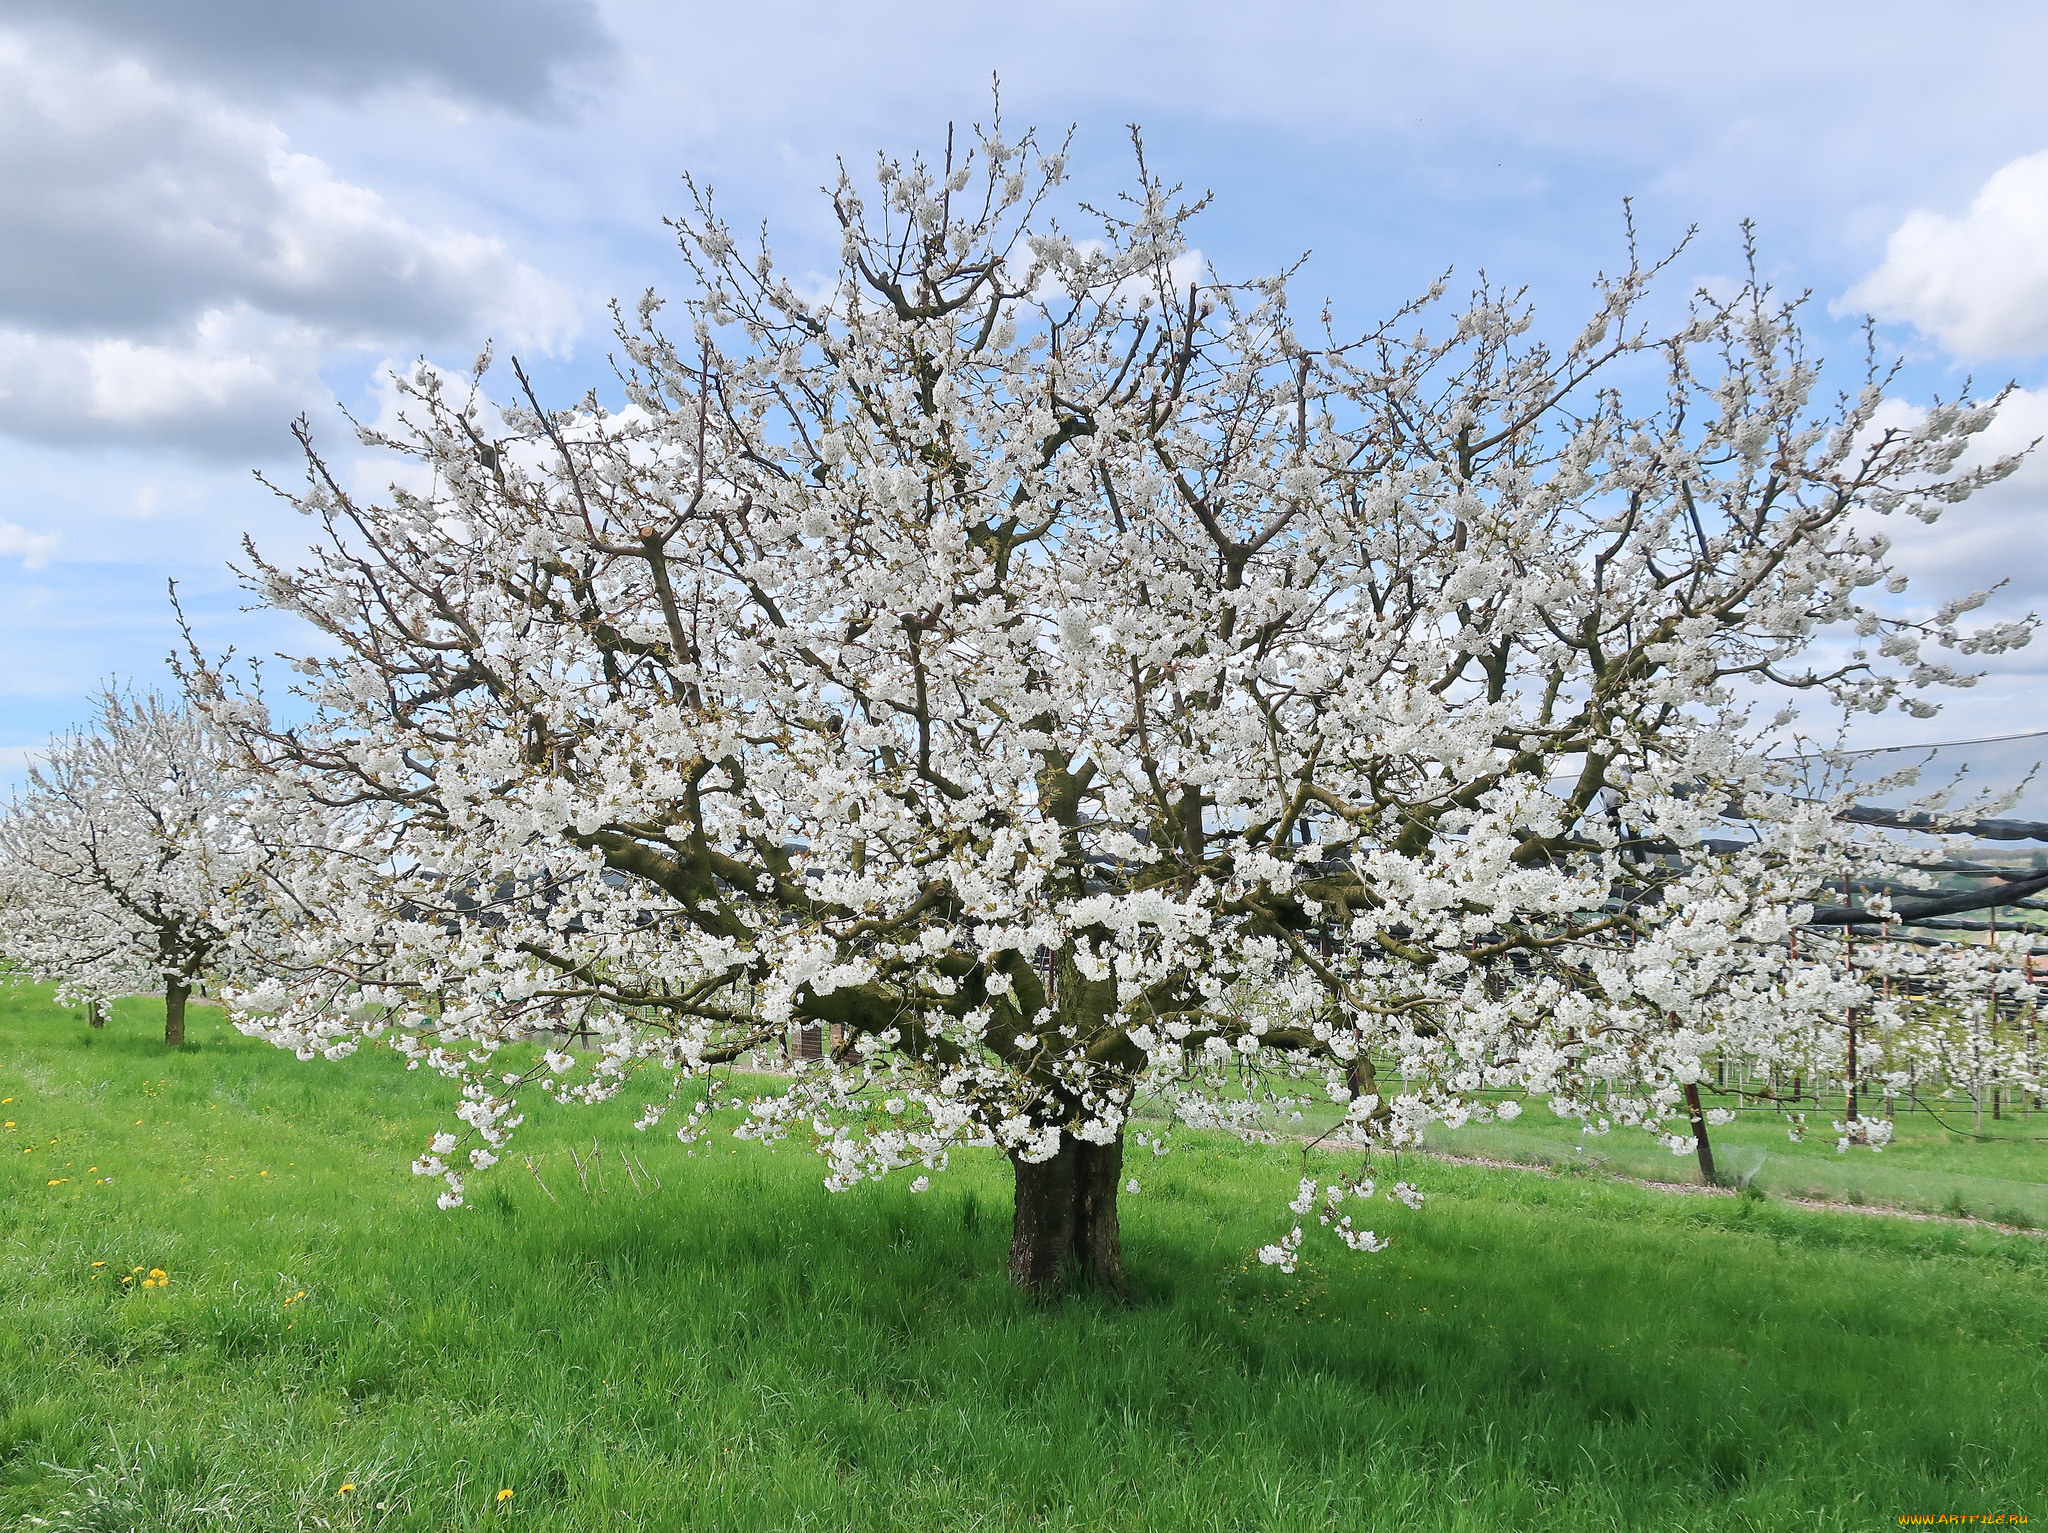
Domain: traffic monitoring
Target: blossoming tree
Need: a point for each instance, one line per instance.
(1076, 680)
(113, 858)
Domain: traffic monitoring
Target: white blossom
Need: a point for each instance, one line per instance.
(1193, 712)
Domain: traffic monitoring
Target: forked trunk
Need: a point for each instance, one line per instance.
(174, 1012)
(1699, 1134)
(1066, 1218)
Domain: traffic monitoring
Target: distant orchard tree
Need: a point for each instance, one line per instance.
(112, 857)
(1080, 682)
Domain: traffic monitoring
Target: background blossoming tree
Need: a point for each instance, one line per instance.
(114, 857)
(1073, 676)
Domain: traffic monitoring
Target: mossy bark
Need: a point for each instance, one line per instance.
(175, 994)
(1066, 1220)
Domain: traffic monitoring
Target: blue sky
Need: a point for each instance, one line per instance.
(222, 213)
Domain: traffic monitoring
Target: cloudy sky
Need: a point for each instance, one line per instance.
(223, 213)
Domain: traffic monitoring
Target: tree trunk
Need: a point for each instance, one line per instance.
(174, 1012)
(1699, 1134)
(1066, 1214)
(95, 1014)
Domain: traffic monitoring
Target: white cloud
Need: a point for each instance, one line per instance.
(176, 272)
(32, 548)
(1978, 283)
(229, 382)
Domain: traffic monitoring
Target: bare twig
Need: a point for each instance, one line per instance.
(543, 1185)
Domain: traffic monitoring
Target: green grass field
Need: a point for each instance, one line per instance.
(740, 1350)
(1927, 1166)
(1934, 1164)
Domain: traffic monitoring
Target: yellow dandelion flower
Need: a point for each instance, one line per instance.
(347, 1486)
(149, 1282)
(158, 1273)
(58, 1180)
(504, 1495)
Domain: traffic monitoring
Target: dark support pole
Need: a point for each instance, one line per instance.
(1849, 1094)
(1699, 1134)
(1849, 1089)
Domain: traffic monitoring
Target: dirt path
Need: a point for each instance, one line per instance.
(1695, 1190)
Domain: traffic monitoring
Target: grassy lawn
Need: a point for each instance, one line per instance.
(740, 1350)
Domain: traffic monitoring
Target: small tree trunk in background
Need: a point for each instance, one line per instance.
(1066, 1212)
(95, 1014)
(1699, 1134)
(1364, 1080)
(174, 1012)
